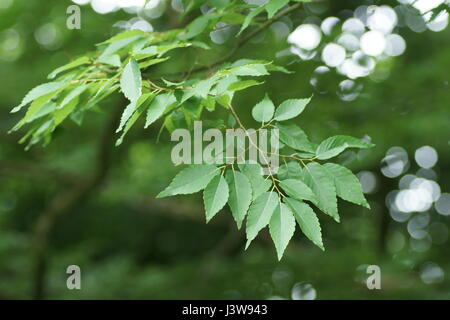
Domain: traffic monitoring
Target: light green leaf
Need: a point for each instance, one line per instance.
(263, 110)
(347, 184)
(196, 27)
(125, 35)
(215, 196)
(147, 52)
(131, 81)
(240, 195)
(203, 87)
(248, 19)
(253, 172)
(115, 46)
(190, 180)
(281, 228)
(241, 85)
(297, 189)
(73, 64)
(73, 94)
(224, 100)
(317, 178)
(333, 146)
(201, 44)
(290, 109)
(252, 69)
(307, 220)
(45, 109)
(273, 6)
(61, 114)
(37, 105)
(223, 84)
(294, 137)
(140, 108)
(158, 106)
(126, 115)
(163, 49)
(37, 92)
(151, 62)
(113, 60)
(259, 214)
(290, 170)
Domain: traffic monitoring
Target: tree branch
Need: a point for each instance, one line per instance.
(67, 200)
(244, 40)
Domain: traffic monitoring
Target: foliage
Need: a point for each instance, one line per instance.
(127, 62)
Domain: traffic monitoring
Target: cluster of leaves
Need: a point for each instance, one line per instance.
(278, 200)
(78, 88)
(83, 83)
(243, 14)
(127, 61)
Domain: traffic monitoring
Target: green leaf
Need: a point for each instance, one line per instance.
(41, 109)
(60, 114)
(196, 27)
(37, 92)
(158, 106)
(163, 49)
(259, 214)
(131, 81)
(317, 178)
(251, 69)
(347, 184)
(297, 189)
(146, 52)
(190, 180)
(273, 6)
(241, 85)
(215, 196)
(272, 67)
(253, 172)
(115, 46)
(203, 87)
(263, 111)
(73, 94)
(151, 62)
(240, 195)
(333, 146)
(125, 35)
(113, 60)
(201, 44)
(294, 137)
(37, 105)
(248, 19)
(289, 170)
(290, 109)
(140, 108)
(73, 64)
(130, 109)
(307, 220)
(281, 228)
(223, 84)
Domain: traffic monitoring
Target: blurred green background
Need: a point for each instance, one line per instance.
(131, 246)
